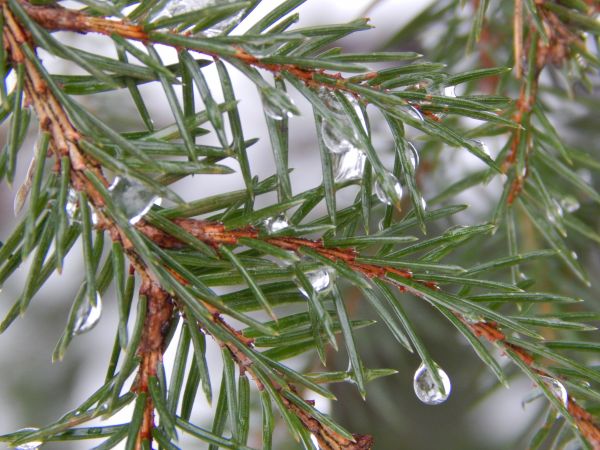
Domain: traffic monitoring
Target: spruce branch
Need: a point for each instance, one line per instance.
(167, 286)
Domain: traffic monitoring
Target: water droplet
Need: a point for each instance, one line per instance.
(423, 204)
(280, 110)
(88, 316)
(31, 445)
(554, 213)
(574, 255)
(382, 195)
(450, 91)
(340, 139)
(480, 145)
(132, 198)
(427, 389)
(275, 224)
(473, 318)
(412, 154)
(350, 165)
(321, 281)
(557, 389)
(569, 204)
(335, 138)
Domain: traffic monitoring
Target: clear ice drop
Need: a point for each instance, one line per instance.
(132, 198)
(88, 316)
(320, 280)
(426, 388)
(350, 165)
(557, 389)
(382, 195)
(277, 223)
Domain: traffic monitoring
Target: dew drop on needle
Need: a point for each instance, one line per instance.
(427, 390)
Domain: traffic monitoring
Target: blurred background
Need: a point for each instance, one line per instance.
(480, 414)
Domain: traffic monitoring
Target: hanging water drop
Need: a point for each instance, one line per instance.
(350, 165)
(88, 316)
(554, 212)
(277, 104)
(412, 154)
(557, 389)
(31, 445)
(335, 138)
(132, 198)
(427, 389)
(382, 195)
(481, 146)
(450, 91)
(320, 280)
(423, 204)
(569, 204)
(275, 224)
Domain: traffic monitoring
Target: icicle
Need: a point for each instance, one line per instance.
(426, 388)
(132, 198)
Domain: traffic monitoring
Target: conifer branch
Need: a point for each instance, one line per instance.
(67, 142)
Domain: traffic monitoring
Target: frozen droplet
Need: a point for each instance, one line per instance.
(31, 445)
(569, 204)
(278, 111)
(554, 212)
(132, 198)
(449, 91)
(320, 280)
(275, 224)
(427, 389)
(382, 195)
(336, 138)
(557, 389)
(481, 146)
(412, 154)
(350, 165)
(88, 316)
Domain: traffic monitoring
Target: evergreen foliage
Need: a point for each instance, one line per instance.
(268, 283)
